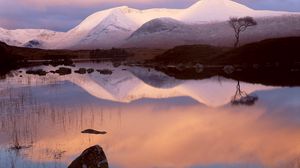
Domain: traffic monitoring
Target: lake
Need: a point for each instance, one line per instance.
(152, 120)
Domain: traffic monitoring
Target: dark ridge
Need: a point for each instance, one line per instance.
(280, 50)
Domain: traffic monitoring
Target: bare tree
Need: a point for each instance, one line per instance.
(239, 25)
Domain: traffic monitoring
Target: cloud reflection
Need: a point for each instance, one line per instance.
(139, 136)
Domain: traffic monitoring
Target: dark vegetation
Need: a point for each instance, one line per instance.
(190, 54)
(272, 61)
(276, 52)
(284, 51)
(39, 54)
(6, 62)
(15, 57)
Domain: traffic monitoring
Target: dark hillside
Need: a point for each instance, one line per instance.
(272, 51)
(7, 61)
(190, 54)
(270, 62)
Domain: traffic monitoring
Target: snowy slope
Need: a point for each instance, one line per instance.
(110, 31)
(220, 10)
(168, 33)
(109, 28)
(19, 37)
(214, 10)
(112, 27)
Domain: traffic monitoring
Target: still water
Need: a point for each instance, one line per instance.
(152, 121)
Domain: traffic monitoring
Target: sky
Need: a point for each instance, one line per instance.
(62, 15)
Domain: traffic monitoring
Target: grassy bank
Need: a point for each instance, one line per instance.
(272, 61)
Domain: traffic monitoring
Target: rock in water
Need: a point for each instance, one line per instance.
(81, 71)
(229, 69)
(105, 71)
(91, 131)
(63, 71)
(93, 157)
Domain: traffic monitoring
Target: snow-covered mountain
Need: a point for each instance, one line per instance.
(22, 37)
(113, 27)
(220, 10)
(168, 33)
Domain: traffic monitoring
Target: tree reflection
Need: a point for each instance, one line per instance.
(242, 98)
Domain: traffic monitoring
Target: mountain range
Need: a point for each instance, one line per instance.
(204, 22)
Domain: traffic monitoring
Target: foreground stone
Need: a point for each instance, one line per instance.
(93, 157)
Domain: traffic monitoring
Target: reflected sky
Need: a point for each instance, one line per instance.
(153, 131)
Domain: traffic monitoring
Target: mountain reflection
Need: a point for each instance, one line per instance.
(136, 83)
(49, 119)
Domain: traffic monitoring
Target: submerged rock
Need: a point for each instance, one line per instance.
(91, 131)
(93, 157)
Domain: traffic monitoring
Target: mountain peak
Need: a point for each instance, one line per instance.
(215, 10)
(213, 4)
(122, 8)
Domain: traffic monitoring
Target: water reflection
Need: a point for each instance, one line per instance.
(152, 129)
(136, 83)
